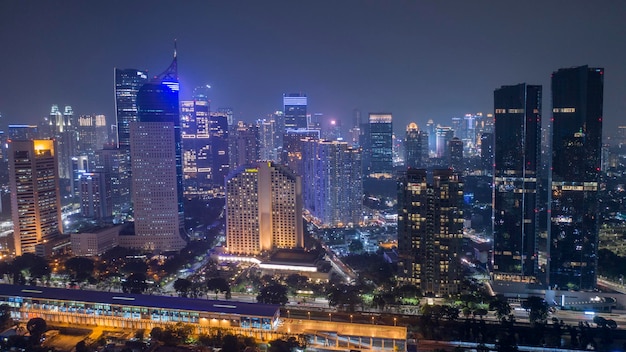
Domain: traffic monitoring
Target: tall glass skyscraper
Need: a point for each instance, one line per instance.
(380, 143)
(517, 147)
(127, 84)
(577, 98)
(295, 105)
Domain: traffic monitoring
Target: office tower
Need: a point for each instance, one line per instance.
(577, 95)
(263, 209)
(295, 105)
(60, 127)
(430, 230)
(93, 134)
(334, 183)
(457, 127)
(431, 129)
(127, 85)
(115, 164)
(23, 132)
(455, 154)
(268, 149)
(517, 147)
(243, 145)
(219, 147)
(380, 144)
(415, 147)
(197, 153)
(355, 132)
(293, 148)
(35, 198)
(95, 195)
(486, 152)
(156, 163)
(444, 135)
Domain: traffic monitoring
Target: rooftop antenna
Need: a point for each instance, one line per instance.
(174, 48)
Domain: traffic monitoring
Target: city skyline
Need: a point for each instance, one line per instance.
(416, 60)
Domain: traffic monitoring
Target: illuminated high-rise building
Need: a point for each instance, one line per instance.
(333, 181)
(156, 163)
(263, 209)
(430, 230)
(577, 99)
(23, 132)
(455, 154)
(92, 133)
(243, 145)
(443, 135)
(517, 162)
(379, 138)
(197, 153)
(295, 110)
(220, 164)
(127, 85)
(115, 164)
(415, 147)
(95, 195)
(35, 198)
(293, 148)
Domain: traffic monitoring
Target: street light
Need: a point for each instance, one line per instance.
(330, 317)
(350, 318)
(394, 321)
(372, 320)
(309, 314)
(288, 314)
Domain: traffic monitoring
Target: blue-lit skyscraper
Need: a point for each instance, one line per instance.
(380, 144)
(156, 161)
(577, 98)
(295, 109)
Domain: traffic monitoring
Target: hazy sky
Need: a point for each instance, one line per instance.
(416, 59)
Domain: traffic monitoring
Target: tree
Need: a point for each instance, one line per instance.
(356, 246)
(501, 307)
(5, 317)
(273, 294)
(537, 309)
(182, 286)
(217, 285)
(80, 269)
(36, 327)
(135, 283)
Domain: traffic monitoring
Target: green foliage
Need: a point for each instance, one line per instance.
(273, 294)
(135, 283)
(611, 265)
(5, 317)
(182, 286)
(80, 269)
(371, 267)
(537, 309)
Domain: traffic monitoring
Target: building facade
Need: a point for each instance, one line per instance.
(35, 197)
(156, 164)
(415, 147)
(127, 85)
(517, 162)
(263, 209)
(380, 144)
(295, 111)
(430, 230)
(577, 101)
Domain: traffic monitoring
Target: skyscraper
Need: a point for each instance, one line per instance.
(295, 109)
(293, 149)
(577, 99)
(197, 153)
(243, 145)
(127, 85)
(115, 164)
(156, 162)
(219, 147)
(380, 143)
(95, 195)
(415, 147)
(517, 157)
(430, 230)
(334, 183)
(263, 209)
(455, 154)
(35, 198)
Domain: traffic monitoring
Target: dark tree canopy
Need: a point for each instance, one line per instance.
(273, 294)
(80, 268)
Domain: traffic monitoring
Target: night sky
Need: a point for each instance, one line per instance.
(416, 59)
